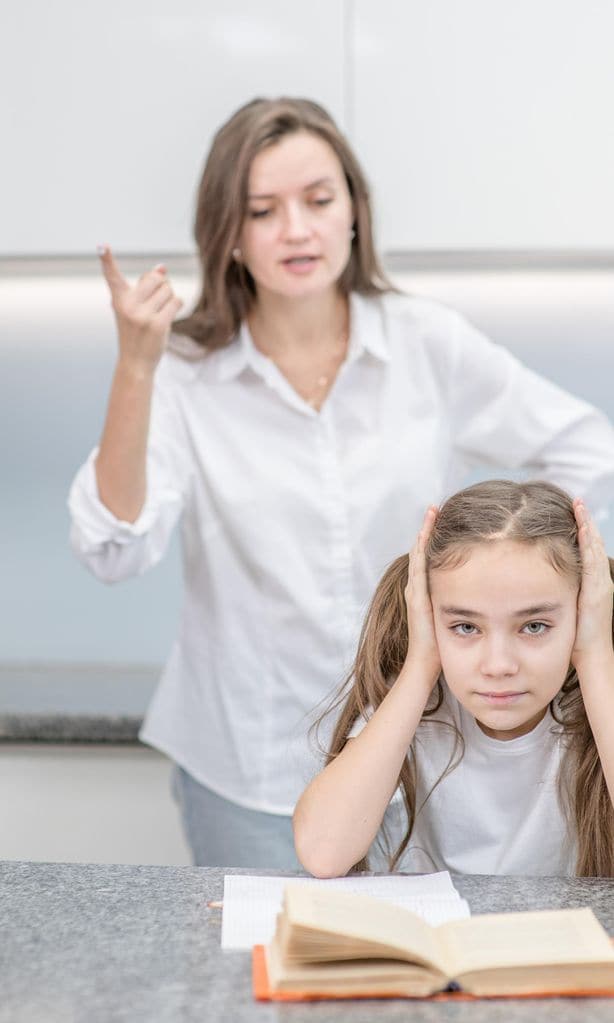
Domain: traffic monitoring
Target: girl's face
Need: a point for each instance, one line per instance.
(505, 623)
(295, 239)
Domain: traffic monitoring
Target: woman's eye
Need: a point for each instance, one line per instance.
(464, 629)
(258, 213)
(321, 202)
(535, 628)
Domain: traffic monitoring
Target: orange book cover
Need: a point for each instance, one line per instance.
(263, 993)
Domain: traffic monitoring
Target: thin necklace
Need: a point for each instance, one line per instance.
(336, 356)
(325, 379)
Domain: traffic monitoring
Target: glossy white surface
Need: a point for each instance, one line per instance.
(486, 124)
(113, 107)
(480, 124)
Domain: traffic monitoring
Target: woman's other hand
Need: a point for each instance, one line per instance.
(144, 311)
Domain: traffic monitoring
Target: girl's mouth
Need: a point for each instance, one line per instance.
(502, 699)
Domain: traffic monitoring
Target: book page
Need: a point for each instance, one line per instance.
(359, 976)
(251, 903)
(524, 939)
(343, 925)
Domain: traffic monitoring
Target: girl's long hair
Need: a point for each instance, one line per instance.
(228, 290)
(533, 513)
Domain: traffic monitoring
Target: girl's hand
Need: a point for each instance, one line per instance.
(594, 628)
(144, 312)
(422, 642)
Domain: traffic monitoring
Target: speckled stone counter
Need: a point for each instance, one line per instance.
(99, 944)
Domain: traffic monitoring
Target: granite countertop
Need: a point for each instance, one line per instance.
(83, 942)
(74, 703)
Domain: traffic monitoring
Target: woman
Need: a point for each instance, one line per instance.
(298, 419)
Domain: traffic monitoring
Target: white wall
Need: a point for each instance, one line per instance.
(481, 123)
(487, 124)
(114, 103)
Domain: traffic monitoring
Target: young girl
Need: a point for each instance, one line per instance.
(483, 693)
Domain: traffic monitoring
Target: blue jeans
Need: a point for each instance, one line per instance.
(223, 834)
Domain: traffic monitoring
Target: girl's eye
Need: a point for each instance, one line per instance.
(464, 629)
(535, 628)
(321, 202)
(258, 213)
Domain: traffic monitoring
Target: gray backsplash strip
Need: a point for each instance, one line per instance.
(88, 690)
(74, 703)
(398, 260)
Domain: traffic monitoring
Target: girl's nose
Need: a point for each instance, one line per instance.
(498, 661)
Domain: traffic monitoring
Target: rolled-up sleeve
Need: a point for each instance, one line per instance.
(506, 415)
(111, 548)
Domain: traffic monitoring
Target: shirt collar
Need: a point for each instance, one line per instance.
(366, 336)
(236, 356)
(367, 328)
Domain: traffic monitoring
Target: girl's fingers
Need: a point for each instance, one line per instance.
(112, 274)
(592, 548)
(417, 555)
(585, 543)
(425, 530)
(427, 527)
(584, 518)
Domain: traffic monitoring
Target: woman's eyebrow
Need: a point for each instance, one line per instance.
(536, 609)
(306, 188)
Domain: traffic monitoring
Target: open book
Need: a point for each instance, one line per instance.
(331, 944)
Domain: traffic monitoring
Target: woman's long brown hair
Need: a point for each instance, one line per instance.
(228, 290)
(534, 513)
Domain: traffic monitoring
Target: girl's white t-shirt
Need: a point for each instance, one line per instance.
(496, 812)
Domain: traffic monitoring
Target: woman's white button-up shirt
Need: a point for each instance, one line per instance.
(289, 517)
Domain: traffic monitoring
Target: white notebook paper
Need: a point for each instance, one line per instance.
(251, 903)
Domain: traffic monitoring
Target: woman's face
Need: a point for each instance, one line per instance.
(505, 623)
(295, 239)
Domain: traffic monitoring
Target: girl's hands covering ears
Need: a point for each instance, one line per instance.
(422, 648)
(593, 640)
(144, 311)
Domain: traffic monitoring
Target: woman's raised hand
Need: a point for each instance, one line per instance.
(144, 311)
(422, 642)
(593, 640)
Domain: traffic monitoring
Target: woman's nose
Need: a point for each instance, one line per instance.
(295, 224)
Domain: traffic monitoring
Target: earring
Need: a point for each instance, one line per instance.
(352, 233)
(236, 255)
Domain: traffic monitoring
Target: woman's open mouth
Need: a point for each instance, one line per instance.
(300, 264)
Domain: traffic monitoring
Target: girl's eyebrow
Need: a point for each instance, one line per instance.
(307, 188)
(525, 612)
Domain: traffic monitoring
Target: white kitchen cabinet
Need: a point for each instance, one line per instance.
(88, 803)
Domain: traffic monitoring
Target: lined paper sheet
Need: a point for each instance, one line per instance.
(251, 903)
